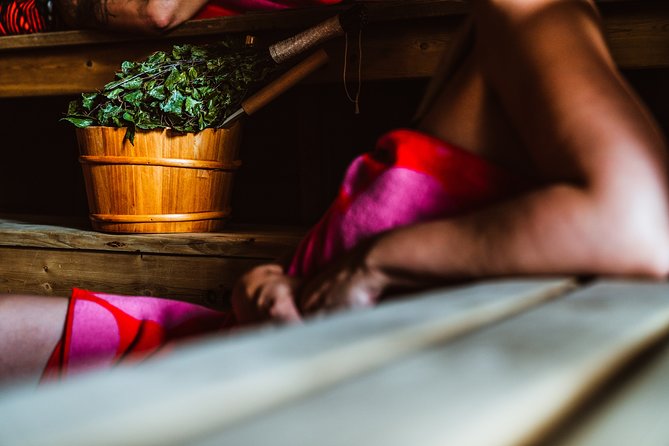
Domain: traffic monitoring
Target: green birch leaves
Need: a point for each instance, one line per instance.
(188, 89)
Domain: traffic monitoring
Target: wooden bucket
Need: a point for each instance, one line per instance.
(165, 182)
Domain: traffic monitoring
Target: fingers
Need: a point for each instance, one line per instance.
(265, 293)
(313, 295)
(337, 290)
(284, 310)
(276, 300)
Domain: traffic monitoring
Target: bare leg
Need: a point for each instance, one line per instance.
(30, 327)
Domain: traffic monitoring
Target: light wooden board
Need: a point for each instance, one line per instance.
(35, 232)
(224, 380)
(504, 385)
(636, 414)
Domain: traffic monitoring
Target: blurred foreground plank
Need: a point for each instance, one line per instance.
(221, 381)
(635, 414)
(507, 384)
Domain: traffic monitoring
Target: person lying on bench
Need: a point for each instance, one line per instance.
(532, 157)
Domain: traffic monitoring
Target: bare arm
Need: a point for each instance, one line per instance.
(605, 208)
(128, 15)
(603, 205)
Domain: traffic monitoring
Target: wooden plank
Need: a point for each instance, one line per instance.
(634, 415)
(71, 62)
(211, 384)
(39, 72)
(638, 33)
(44, 232)
(203, 279)
(504, 385)
(410, 48)
(407, 51)
(378, 11)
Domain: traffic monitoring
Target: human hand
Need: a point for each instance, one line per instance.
(349, 282)
(265, 293)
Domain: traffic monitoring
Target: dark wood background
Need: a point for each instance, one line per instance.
(294, 152)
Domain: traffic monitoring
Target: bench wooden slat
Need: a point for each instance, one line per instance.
(223, 380)
(409, 50)
(51, 259)
(234, 241)
(378, 11)
(404, 40)
(635, 415)
(504, 385)
(203, 279)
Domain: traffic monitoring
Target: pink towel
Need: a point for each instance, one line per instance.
(410, 177)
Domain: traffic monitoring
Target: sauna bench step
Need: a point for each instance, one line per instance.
(403, 40)
(43, 257)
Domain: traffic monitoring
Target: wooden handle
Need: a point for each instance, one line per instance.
(284, 82)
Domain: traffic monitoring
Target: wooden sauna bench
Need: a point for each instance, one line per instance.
(403, 40)
(47, 256)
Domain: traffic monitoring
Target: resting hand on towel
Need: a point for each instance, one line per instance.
(265, 292)
(349, 282)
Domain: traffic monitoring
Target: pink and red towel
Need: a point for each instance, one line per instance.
(410, 177)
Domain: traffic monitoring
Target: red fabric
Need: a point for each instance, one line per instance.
(22, 17)
(219, 8)
(139, 338)
(213, 9)
(411, 177)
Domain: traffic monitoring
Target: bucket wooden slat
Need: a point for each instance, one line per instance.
(136, 218)
(164, 182)
(165, 162)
